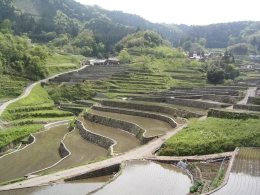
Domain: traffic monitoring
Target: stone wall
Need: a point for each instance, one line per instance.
(84, 102)
(100, 140)
(222, 98)
(152, 108)
(247, 107)
(63, 150)
(194, 103)
(136, 113)
(228, 114)
(109, 170)
(253, 100)
(132, 128)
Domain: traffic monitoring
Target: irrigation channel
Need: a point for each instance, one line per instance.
(138, 177)
(244, 178)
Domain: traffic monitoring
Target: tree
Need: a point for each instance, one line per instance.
(202, 42)
(124, 56)
(215, 75)
(6, 26)
(186, 46)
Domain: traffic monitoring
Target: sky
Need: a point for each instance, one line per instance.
(196, 12)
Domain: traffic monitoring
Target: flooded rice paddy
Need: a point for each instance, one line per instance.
(39, 155)
(152, 126)
(81, 187)
(138, 177)
(244, 178)
(125, 141)
(145, 177)
(81, 150)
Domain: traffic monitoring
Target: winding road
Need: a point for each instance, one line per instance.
(28, 89)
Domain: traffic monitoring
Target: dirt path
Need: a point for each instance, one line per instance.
(28, 89)
(250, 93)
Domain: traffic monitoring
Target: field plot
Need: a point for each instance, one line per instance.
(81, 150)
(41, 154)
(244, 178)
(144, 177)
(125, 141)
(152, 126)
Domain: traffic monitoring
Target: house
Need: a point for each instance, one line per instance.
(98, 62)
(246, 66)
(113, 61)
(109, 61)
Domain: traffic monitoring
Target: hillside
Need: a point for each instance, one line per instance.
(50, 18)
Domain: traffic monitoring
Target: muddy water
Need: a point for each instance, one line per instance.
(81, 187)
(244, 178)
(144, 177)
(125, 141)
(152, 126)
(81, 150)
(41, 154)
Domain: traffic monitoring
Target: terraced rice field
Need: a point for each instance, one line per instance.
(125, 141)
(177, 120)
(41, 154)
(152, 126)
(81, 150)
(145, 177)
(244, 178)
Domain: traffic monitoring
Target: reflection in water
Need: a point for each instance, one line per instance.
(244, 178)
(145, 177)
(80, 187)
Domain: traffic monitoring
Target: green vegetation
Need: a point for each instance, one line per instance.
(37, 104)
(62, 92)
(219, 178)
(17, 133)
(12, 181)
(195, 187)
(213, 136)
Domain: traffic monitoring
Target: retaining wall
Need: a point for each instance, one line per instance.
(63, 150)
(152, 108)
(136, 113)
(84, 102)
(230, 115)
(100, 140)
(222, 98)
(109, 170)
(194, 103)
(247, 107)
(253, 100)
(119, 124)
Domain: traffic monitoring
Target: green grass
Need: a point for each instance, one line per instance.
(38, 98)
(213, 136)
(17, 133)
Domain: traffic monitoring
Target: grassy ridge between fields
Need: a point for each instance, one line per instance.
(213, 135)
(17, 133)
(36, 106)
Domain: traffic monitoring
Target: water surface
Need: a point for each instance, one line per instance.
(152, 126)
(244, 178)
(145, 177)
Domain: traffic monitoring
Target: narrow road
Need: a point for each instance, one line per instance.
(28, 89)
(250, 93)
(138, 153)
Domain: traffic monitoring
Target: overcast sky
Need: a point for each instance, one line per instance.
(199, 12)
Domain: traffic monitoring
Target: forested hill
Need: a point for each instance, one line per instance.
(223, 35)
(45, 20)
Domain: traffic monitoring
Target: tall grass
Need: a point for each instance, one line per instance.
(213, 135)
